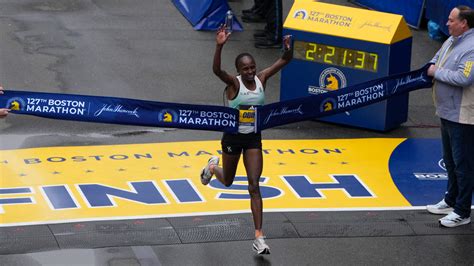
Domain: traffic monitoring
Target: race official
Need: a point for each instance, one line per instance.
(453, 93)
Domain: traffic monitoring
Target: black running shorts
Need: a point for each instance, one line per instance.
(234, 143)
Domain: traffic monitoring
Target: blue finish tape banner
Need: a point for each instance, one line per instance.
(204, 117)
(121, 111)
(339, 101)
(411, 10)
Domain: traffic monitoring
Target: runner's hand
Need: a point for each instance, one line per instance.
(287, 42)
(3, 111)
(222, 36)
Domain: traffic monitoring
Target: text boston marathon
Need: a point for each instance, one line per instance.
(56, 106)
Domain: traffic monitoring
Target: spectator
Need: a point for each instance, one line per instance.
(454, 99)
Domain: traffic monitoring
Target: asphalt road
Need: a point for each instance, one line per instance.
(146, 50)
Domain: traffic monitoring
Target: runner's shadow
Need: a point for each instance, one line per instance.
(261, 261)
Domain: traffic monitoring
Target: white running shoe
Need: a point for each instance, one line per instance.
(260, 246)
(453, 220)
(206, 171)
(439, 208)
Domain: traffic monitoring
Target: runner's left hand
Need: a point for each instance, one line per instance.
(287, 42)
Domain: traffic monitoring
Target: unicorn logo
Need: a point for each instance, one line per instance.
(332, 82)
(15, 106)
(327, 105)
(300, 14)
(332, 79)
(442, 165)
(167, 117)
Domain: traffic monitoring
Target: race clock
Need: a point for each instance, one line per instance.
(338, 46)
(337, 56)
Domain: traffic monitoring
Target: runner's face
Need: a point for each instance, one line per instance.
(247, 68)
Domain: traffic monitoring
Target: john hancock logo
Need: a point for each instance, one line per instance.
(16, 104)
(332, 79)
(168, 116)
(300, 14)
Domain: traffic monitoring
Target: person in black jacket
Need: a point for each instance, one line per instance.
(270, 12)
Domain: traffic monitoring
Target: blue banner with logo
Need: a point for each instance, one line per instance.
(205, 117)
(411, 10)
(338, 101)
(121, 111)
(206, 14)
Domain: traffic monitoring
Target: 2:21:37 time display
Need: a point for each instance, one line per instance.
(334, 55)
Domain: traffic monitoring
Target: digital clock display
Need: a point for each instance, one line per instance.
(334, 55)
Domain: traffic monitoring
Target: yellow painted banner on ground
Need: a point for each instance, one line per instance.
(61, 184)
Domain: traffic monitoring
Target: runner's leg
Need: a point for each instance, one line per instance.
(226, 173)
(253, 161)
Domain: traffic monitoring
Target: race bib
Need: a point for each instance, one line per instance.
(246, 115)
